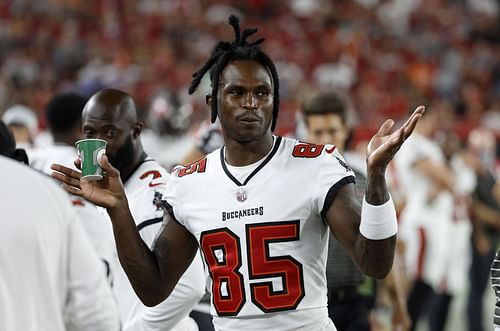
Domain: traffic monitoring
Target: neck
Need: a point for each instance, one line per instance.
(127, 171)
(242, 154)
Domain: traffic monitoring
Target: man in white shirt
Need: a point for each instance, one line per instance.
(111, 115)
(425, 222)
(50, 277)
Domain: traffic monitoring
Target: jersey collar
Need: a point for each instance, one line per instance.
(256, 170)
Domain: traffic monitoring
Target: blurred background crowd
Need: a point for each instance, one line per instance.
(386, 56)
(389, 55)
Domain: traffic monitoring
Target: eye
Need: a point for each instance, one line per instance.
(110, 133)
(332, 131)
(236, 92)
(88, 133)
(262, 93)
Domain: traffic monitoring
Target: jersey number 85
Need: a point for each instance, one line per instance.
(222, 251)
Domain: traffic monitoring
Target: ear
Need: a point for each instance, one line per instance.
(137, 129)
(208, 100)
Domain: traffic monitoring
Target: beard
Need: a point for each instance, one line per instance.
(123, 156)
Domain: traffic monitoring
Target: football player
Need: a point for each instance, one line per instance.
(260, 207)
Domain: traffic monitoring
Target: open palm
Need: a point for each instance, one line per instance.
(107, 192)
(384, 144)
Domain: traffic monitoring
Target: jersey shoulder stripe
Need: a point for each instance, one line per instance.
(148, 175)
(144, 224)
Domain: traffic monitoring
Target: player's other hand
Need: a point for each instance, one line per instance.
(107, 192)
(386, 142)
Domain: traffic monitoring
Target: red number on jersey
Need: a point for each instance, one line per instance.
(262, 265)
(196, 166)
(222, 252)
(307, 150)
(155, 173)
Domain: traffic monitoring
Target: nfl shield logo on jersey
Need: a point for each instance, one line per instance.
(241, 195)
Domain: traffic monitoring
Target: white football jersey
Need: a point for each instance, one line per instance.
(97, 226)
(458, 241)
(416, 185)
(425, 220)
(262, 237)
(146, 183)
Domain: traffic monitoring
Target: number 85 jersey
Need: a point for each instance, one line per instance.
(261, 232)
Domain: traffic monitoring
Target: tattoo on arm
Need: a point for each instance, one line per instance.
(376, 189)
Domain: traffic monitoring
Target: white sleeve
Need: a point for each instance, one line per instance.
(90, 304)
(147, 215)
(333, 174)
(412, 151)
(99, 231)
(177, 306)
(171, 196)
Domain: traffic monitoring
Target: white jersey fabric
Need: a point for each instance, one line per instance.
(41, 158)
(458, 241)
(97, 225)
(263, 238)
(425, 221)
(50, 277)
(495, 284)
(148, 180)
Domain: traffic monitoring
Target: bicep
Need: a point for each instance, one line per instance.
(343, 217)
(496, 191)
(174, 248)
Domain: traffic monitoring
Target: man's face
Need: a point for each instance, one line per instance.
(327, 129)
(245, 101)
(106, 123)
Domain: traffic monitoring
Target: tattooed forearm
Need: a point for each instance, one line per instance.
(376, 188)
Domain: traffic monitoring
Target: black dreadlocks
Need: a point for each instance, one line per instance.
(225, 52)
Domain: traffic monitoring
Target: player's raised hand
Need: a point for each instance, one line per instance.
(107, 192)
(386, 142)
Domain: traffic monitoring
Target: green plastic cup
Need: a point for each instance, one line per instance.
(90, 152)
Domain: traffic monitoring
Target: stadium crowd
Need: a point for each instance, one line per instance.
(387, 54)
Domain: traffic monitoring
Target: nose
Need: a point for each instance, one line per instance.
(250, 102)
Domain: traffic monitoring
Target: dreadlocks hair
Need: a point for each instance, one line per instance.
(240, 49)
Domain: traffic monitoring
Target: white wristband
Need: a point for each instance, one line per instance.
(378, 222)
